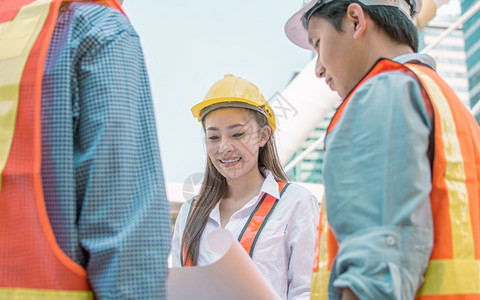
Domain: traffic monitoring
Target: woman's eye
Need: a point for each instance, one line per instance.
(238, 134)
(213, 138)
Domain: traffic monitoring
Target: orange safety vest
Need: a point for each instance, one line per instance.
(453, 271)
(32, 265)
(255, 223)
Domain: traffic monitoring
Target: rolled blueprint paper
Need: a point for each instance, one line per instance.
(232, 276)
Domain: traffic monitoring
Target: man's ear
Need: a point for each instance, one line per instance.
(356, 18)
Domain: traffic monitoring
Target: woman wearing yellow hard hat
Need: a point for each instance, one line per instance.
(246, 191)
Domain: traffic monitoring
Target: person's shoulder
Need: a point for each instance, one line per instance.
(295, 189)
(402, 72)
(100, 19)
(185, 209)
(188, 204)
(395, 94)
(190, 201)
(391, 77)
(299, 200)
(392, 83)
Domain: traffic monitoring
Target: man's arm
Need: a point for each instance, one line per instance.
(124, 222)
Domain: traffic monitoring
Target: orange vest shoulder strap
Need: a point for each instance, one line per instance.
(258, 218)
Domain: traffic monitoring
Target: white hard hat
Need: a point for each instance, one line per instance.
(296, 26)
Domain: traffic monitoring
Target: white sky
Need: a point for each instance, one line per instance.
(190, 44)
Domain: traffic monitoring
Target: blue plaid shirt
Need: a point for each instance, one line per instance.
(101, 168)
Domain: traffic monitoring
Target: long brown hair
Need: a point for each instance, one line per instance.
(214, 188)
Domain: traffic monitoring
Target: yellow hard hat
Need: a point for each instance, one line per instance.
(233, 91)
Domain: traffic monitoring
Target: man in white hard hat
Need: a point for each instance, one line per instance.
(400, 218)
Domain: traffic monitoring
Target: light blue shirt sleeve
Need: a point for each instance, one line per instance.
(377, 186)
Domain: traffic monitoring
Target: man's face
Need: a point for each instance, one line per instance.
(337, 57)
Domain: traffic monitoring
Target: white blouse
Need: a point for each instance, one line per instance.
(285, 248)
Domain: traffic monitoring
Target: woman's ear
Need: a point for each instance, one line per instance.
(356, 18)
(265, 134)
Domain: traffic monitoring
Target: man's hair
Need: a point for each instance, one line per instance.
(396, 25)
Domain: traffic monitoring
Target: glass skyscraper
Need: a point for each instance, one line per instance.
(471, 30)
(449, 53)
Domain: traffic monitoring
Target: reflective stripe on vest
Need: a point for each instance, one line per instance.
(249, 235)
(454, 267)
(256, 222)
(32, 265)
(325, 251)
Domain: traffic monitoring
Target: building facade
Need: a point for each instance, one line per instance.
(471, 31)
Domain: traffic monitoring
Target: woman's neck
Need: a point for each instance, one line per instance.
(240, 191)
(238, 188)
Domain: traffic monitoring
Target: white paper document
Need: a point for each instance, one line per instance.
(233, 276)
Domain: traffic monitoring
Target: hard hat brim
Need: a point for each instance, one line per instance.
(294, 29)
(203, 108)
(200, 110)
